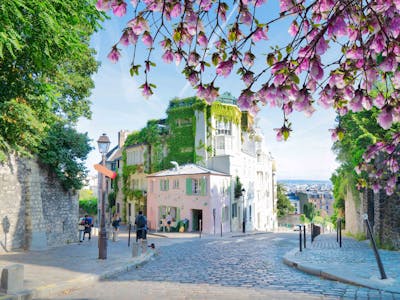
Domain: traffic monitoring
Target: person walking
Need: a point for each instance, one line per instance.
(115, 224)
(169, 221)
(88, 227)
(81, 228)
(141, 226)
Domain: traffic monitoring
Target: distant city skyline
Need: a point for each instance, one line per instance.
(118, 104)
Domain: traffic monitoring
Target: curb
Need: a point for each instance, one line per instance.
(289, 260)
(46, 291)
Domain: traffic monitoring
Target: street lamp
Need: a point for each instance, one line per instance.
(244, 212)
(103, 143)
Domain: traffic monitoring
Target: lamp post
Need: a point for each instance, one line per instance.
(244, 212)
(103, 143)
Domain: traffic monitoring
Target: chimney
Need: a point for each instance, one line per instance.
(122, 135)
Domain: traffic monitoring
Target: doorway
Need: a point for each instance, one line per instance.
(197, 215)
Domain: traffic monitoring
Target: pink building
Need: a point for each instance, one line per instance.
(190, 192)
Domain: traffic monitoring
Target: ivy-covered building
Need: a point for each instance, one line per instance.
(219, 137)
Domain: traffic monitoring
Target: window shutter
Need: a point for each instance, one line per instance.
(161, 185)
(203, 187)
(167, 185)
(188, 186)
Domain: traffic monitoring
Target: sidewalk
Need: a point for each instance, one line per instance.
(72, 266)
(354, 263)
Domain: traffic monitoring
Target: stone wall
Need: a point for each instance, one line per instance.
(383, 213)
(353, 213)
(35, 211)
(387, 219)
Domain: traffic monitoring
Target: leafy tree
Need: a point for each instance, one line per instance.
(309, 210)
(238, 188)
(64, 151)
(85, 194)
(45, 80)
(89, 206)
(283, 204)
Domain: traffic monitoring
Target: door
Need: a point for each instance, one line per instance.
(197, 216)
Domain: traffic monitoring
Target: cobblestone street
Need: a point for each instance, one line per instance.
(241, 267)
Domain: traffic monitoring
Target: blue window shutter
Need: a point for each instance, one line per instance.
(188, 186)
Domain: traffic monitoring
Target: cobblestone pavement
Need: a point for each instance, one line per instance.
(238, 267)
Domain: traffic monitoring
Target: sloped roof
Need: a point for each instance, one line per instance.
(117, 153)
(189, 169)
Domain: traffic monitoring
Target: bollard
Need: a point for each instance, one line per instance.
(312, 232)
(135, 249)
(300, 242)
(200, 228)
(12, 279)
(378, 258)
(221, 229)
(129, 234)
(114, 236)
(304, 238)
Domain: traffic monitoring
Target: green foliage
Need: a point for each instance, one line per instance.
(111, 199)
(309, 210)
(362, 131)
(304, 219)
(223, 112)
(89, 206)
(359, 236)
(284, 206)
(85, 194)
(64, 151)
(238, 188)
(45, 78)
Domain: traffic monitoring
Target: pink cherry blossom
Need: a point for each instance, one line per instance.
(147, 39)
(146, 90)
(202, 40)
(224, 68)
(385, 118)
(168, 56)
(316, 72)
(103, 5)
(293, 29)
(248, 59)
(176, 10)
(119, 8)
(114, 55)
(193, 59)
(246, 17)
(138, 25)
(259, 34)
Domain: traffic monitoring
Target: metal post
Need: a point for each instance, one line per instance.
(300, 242)
(129, 234)
(377, 256)
(337, 230)
(244, 217)
(200, 228)
(312, 232)
(340, 233)
(214, 219)
(221, 229)
(103, 233)
(304, 233)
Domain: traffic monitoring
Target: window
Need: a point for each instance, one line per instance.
(176, 184)
(195, 186)
(117, 208)
(164, 184)
(234, 210)
(224, 127)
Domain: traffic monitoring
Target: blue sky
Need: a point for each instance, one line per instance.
(117, 104)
